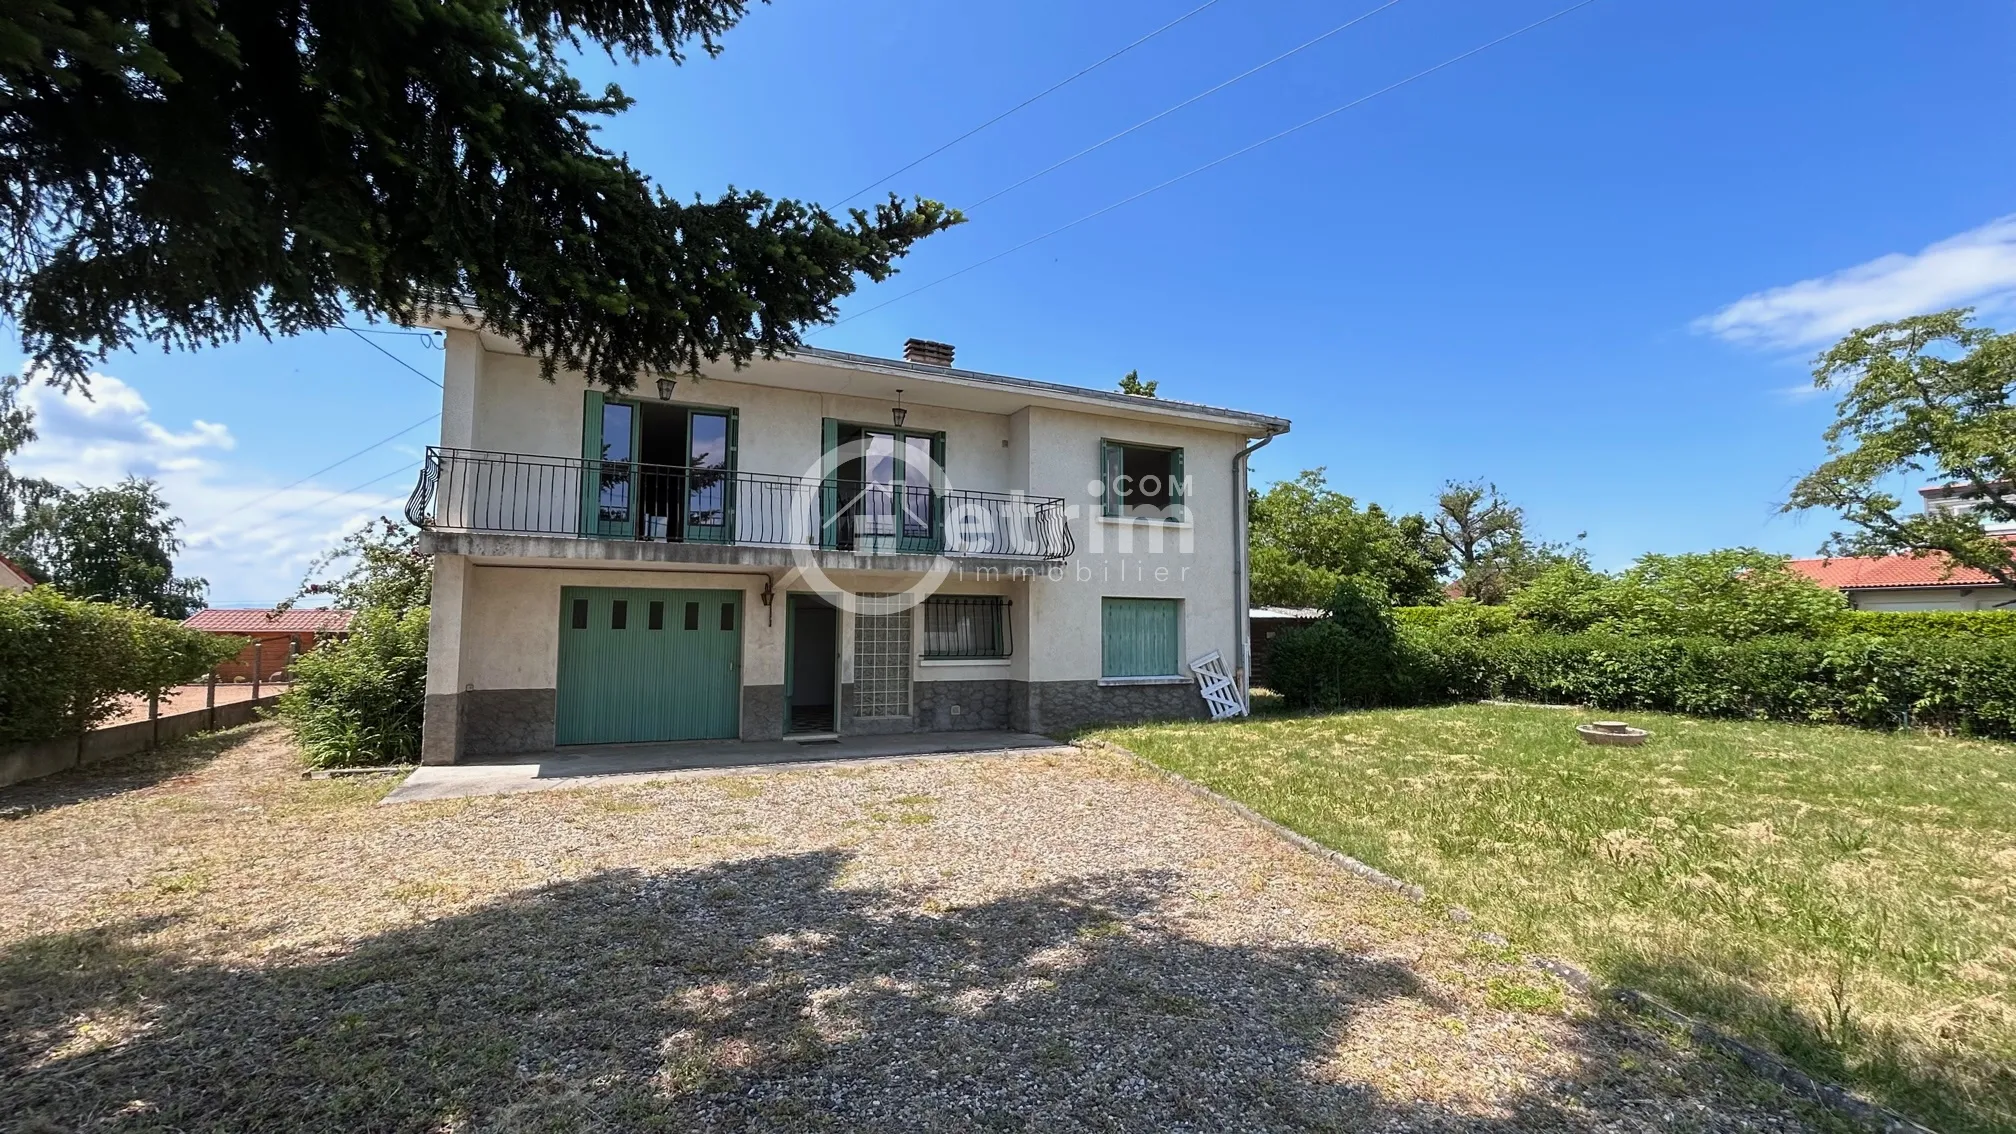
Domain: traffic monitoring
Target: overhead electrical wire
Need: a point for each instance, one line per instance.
(406, 468)
(1214, 163)
(1031, 100)
(388, 354)
(336, 464)
(1198, 97)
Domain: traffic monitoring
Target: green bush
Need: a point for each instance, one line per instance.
(1933, 623)
(1459, 617)
(359, 701)
(1351, 659)
(1966, 685)
(66, 664)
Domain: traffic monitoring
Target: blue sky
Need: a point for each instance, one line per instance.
(1589, 264)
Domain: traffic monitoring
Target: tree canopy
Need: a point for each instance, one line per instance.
(1734, 594)
(1307, 538)
(189, 173)
(115, 544)
(1928, 397)
(1482, 537)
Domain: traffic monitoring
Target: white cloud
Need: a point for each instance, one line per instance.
(1976, 268)
(251, 542)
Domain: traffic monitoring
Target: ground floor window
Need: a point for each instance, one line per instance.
(966, 626)
(1138, 637)
(882, 657)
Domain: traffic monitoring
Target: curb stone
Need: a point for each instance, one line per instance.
(1758, 1061)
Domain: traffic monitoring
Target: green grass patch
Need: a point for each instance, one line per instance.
(1845, 897)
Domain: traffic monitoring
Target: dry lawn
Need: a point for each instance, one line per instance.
(209, 942)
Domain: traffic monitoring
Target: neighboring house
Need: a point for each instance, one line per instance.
(1905, 582)
(276, 638)
(1264, 624)
(815, 544)
(1909, 582)
(13, 577)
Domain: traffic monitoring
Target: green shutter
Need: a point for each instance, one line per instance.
(1179, 512)
(1138, 637)
(829, 483)
(1110, 467)
(591, 455)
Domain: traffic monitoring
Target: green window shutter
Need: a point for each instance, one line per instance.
(591, 451)
(1110, 466)
(1176, 485)
(829, 484)
(1138, 637)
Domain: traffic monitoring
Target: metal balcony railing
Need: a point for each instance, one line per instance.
(463, 490)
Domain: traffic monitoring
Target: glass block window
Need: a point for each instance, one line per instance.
(966, 626)
(882, 658)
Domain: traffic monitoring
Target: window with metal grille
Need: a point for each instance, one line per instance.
(882, 657)
(966, 626)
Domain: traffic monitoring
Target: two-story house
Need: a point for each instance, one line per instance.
(818, 544)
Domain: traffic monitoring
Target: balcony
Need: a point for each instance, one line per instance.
(465, 491)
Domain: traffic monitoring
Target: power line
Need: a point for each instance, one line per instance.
(1032, 99)
(345, 492)
(336, 464)
(1331, 113)
(1198, 97)
(398, 332)
(390, 355)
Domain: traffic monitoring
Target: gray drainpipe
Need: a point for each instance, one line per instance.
(1241, 613)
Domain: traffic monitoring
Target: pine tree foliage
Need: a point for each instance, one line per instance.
(187, 172)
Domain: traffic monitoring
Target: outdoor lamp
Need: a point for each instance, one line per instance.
(665, 389)
(899, 413)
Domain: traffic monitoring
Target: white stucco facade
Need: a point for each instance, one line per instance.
(495, 657)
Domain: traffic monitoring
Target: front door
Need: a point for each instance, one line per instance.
(640, 664)
(811, 664)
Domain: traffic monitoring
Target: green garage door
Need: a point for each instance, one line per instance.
(648, 664)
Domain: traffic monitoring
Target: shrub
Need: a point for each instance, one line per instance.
(66, 664)
(1966, 685)
(359, 701)
(1933, 623)
(1458, 617)
(1351, 659)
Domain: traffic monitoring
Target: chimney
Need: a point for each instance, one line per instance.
(927, 353)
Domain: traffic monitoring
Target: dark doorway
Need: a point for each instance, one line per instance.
(812, 667)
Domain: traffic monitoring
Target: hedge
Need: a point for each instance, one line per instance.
(1483, 621)
(360, 701)
(1961, 684)
(1933, 623)
(66, 665)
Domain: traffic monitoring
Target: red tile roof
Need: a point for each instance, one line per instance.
(220, 620)
(1854, 573)
(10, 567)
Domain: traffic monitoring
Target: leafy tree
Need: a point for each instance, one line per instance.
(380, 567)
(1928, 396)
(17, 428)
(1306, 539)
(1736, 594)
(1565, 597)
(1483, 537)
(186, 173)
(1131, 383)
(113, 545)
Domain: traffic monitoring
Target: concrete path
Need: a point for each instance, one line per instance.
(581, 765)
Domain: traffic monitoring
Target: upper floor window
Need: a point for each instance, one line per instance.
(1142, 481)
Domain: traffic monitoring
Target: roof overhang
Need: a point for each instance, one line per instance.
(866, 376)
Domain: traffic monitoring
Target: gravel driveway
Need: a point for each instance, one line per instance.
(1012, 943)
